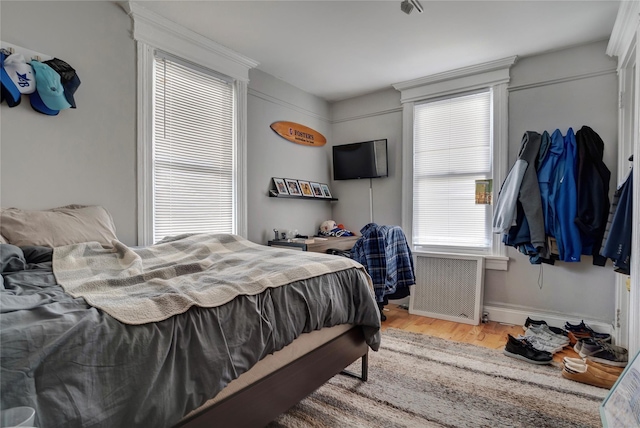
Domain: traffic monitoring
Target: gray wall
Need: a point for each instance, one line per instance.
(370, 117)
(84, 155)
(269, 155)
(572, 87)
(563, 89)
(88, 155)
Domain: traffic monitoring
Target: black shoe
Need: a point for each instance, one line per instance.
(529, 321)
(583, 331)
(556, 330)
(523, 350)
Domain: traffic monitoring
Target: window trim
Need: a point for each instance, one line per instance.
(494, 75)
(152, 31)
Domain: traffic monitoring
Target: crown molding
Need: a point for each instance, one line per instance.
(624, 29)
(282, 103)
(458, 80)
(164, 34)
(457, 73)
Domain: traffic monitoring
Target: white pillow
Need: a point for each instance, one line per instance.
(56, 227)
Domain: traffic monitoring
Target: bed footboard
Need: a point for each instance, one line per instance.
(261, 402)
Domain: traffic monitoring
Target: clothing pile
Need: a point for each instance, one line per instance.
(600, 363)
(554, 203)
(385, 254)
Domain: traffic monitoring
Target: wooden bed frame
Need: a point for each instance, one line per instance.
(261, 402)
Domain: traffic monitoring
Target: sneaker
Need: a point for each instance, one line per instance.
(590, 375)
(544, 332)
(540, 344)
(578, 345)
(523, 350)
(583, 331)
(578, 364)
(529, 322)
(604, 353)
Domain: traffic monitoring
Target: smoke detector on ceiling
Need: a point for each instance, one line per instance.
(407, 6)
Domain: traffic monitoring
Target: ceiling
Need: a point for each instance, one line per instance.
(342, 49)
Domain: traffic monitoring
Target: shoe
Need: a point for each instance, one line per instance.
(543, 331)
(523, 350)
(578, 364)
(530, 322)
(540, 344)
(604, 353)
(578, 345)
(559, 331)
(583, 331)
(591, 376)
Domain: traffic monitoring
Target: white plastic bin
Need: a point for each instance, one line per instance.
(17, 417)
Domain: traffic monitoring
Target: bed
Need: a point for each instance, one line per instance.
(261, 351)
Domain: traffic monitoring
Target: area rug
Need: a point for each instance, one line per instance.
(417, 380)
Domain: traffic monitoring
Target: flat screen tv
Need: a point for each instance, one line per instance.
(360, 160)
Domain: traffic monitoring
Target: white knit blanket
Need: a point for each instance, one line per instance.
(150, 284)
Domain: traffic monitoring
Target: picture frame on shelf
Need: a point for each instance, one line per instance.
(317, 190)
(305, 188)
(281, 186)
(293, 187)
(325, 190)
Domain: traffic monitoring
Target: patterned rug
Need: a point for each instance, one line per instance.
(423, 381)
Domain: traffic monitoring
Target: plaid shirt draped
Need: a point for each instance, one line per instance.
(385, 253)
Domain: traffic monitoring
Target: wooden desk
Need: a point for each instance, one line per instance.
(343, 243)
(320, 245)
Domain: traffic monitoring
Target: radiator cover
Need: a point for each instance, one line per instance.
(448, 287)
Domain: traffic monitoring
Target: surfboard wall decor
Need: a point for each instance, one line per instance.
(299, 134)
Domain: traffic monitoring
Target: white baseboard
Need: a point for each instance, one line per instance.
(518, 317)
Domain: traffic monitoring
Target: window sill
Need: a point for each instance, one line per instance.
(496, 263)
(491, 262)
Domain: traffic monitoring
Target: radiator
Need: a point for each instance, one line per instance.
(448, 287)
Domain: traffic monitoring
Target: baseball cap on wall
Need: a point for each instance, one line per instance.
(21, 73)
(38, 105)
(10, 91)
(49, 87)
(68, 76)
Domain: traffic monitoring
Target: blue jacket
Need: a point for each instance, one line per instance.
(563, 201)
(618, 241)
(546, 173)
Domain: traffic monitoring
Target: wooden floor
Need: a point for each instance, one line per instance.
(490, 335)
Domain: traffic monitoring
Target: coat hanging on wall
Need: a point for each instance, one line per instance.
(573, 188)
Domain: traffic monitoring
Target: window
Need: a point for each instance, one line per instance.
(193, 150)
(454, 133)
(192, 130)
(451, 150)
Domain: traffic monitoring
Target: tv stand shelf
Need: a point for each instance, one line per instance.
(274, 194)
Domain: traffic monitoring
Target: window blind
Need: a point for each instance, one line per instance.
(193, 151)
(452, 149)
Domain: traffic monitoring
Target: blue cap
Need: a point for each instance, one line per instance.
(10, 91)
(38, 105)
(49, 87)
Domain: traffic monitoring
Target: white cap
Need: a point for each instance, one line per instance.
(21, 73)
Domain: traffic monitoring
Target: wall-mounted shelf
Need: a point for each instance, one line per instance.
(274, 194)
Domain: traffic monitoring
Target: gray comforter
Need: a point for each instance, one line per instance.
(79, 367)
